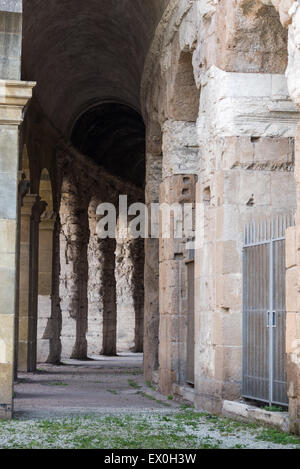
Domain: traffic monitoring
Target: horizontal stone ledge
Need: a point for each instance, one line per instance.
(249, 413)
(15, 93)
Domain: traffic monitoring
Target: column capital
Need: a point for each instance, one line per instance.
(14, 95)
(28, 204)
(47, 224)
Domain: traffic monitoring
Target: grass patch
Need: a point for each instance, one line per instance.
(273, 408)
(134, 384)
(277, 437)
(186, 429)
(56, 383)
(152, 398)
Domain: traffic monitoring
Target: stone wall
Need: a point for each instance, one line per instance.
(10, 39)
(240, 145)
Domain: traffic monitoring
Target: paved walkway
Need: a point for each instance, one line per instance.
(102, 385)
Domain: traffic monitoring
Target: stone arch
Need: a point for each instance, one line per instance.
(184, 95)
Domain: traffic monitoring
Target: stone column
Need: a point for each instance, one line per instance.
(130, 294)
(125, 296)
(24, 284)
(293, 305)
(45, 320)
(177, 189)
(137, 253)
(102, 308)
(13, 97)
(56, 318)
(95, 286)
(37, 210)
(74, 270)
(151, 272)
(109, 347)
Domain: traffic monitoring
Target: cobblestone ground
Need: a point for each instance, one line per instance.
(106, 404)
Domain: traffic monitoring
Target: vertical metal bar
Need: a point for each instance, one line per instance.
(271, 273)
(244, 351)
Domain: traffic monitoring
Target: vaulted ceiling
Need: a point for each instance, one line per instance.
(84, 52)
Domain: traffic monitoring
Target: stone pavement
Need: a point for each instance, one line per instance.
(102, 385)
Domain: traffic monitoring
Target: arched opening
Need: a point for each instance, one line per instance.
(113, 135)
(185, 96)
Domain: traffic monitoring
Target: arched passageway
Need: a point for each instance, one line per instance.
(84, 125)
(171, 102)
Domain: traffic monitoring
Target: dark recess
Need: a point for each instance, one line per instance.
(113, 135)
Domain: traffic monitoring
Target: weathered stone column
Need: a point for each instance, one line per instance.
(293, 305)
(95, 285)
(102, 309)
(137, 251)
(130, 294)
(125, 296)
(109, 297)
(24, 286)
(56, 319)
(74, 270)
(151, 273)
(45, 320)
(177, 189)
(13, 97)
(37, 210)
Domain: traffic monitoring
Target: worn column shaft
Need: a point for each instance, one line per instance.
(74, 271)
(13, 97)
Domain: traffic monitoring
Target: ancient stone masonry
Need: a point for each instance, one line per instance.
(13, 98)
(173, 289)
(74, 239)
(212, 90)
(239, 143)
(130, 294)
(95, 297)
(290, 17)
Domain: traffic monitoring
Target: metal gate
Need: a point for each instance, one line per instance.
(264, 311)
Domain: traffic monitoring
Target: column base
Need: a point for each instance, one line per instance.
(6, 412)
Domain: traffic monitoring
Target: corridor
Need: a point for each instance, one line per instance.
(102, 385)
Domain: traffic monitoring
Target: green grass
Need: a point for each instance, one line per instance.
(133, 384)
(273, 408)
(185, 429)
(277, 437)
(56, 383)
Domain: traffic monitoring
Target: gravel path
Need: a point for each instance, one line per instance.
(105, 403)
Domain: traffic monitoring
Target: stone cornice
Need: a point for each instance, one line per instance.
(14, 95)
